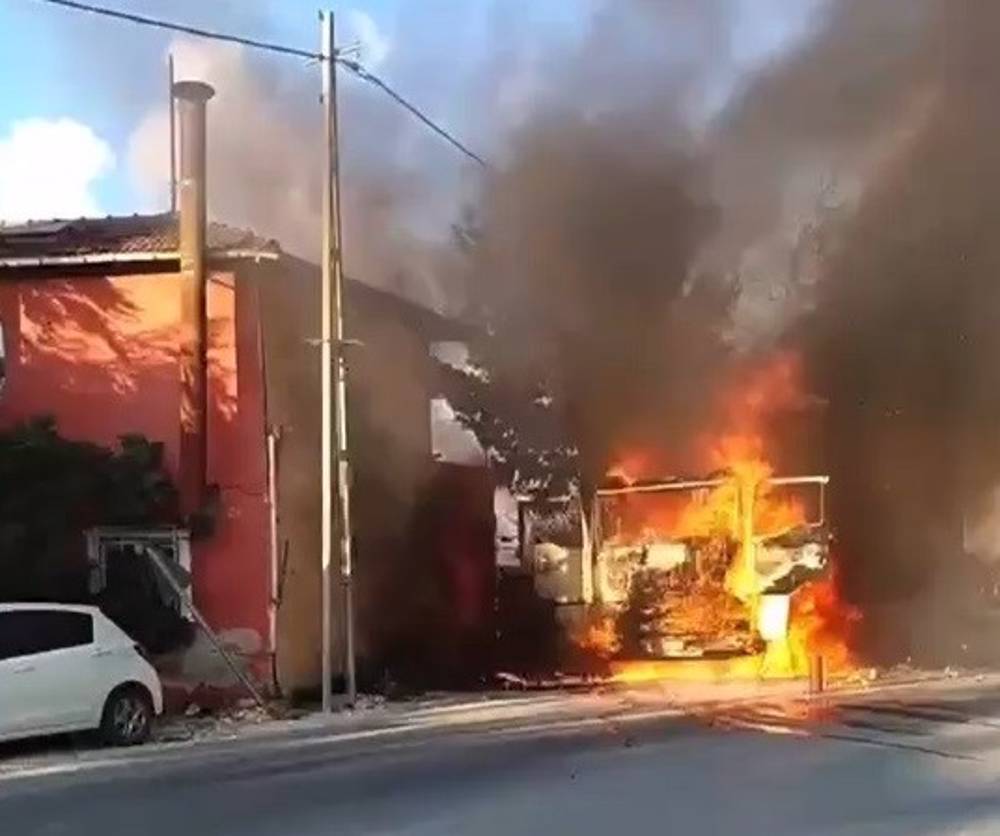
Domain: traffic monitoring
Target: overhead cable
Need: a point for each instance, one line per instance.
(353, 66)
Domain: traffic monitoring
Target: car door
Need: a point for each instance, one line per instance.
(51, 676)
(113, 661)
(15, 691)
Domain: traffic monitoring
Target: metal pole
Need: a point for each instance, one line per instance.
(340, 390)
(817, 674)
(326, 361)
(273, 434)
(158, 561)
(173, 136)
(192, 98)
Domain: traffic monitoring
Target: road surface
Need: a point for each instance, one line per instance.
(910, 762)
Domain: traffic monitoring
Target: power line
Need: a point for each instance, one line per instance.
(188, 30)
(268, 46)
(373, 79)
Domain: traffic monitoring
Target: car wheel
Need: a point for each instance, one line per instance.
(127, 717)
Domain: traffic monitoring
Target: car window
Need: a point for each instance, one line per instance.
(24, 633)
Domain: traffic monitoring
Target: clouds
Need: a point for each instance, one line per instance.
(50, 168)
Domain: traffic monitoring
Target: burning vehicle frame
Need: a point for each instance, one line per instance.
(713, 579)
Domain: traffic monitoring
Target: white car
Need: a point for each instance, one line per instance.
(67, 668)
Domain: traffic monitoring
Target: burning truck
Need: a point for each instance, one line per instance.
(733, 566)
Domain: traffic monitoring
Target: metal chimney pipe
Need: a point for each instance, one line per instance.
(191, 97)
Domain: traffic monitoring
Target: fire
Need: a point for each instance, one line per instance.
(744, 459)
(822, 624)
(599, 636)
(771, 386)
(715, 511)
(744, 507)
(626, 467)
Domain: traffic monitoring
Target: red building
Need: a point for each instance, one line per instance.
(203, 337)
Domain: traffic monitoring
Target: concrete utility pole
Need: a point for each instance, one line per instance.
(173, 133)
(340, 392)
(334, 393)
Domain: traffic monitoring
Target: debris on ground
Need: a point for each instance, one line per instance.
(199, 723)
(510, 680)
(367, 702)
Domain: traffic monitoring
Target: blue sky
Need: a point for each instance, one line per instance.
(63, 72)
(45, 80)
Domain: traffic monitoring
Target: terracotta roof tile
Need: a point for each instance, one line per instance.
(123, 234)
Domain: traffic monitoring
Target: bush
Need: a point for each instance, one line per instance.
(53, 489)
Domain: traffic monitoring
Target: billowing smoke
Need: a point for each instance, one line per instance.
(903, 344)
(848, 186)
(265, 154)
(855, 176)
(590, 231)
(659, 212)
(799, 140)
(588, 247)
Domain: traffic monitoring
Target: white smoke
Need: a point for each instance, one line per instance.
(265, 145)
(375, 45)
(260, 161)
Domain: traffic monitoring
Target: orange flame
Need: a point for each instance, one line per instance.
(599, 636)
(820, 621)
(823, 624)
(715, 511)
(629, 466)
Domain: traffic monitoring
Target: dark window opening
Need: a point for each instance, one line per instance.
(132, 592)
(3, 357)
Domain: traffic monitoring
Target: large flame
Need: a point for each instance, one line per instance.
(822, 623)
(745, 507)
(715, 511)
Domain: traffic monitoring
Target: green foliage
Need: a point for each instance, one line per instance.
(52, 489)
(515, 422)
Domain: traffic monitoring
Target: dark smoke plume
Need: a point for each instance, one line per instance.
(889, 112)
(591, 231)
(855, 174)
(624, 231)
(904, 340)
(588, 247)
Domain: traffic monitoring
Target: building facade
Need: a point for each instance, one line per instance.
(94, 334)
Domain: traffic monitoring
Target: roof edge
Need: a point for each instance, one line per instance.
(89, 258)
(17, 262)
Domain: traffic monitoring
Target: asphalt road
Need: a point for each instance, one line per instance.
(908, 764)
